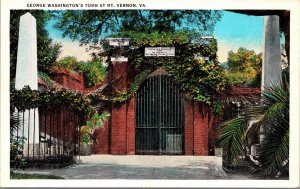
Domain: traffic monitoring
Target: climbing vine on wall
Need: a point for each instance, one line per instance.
(45, 77)
(28, 99)
(200, 79)
(120, 96)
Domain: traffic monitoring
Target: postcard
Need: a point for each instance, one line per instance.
(150, 94)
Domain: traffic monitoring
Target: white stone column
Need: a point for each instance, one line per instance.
(26, 74)
(271, 60)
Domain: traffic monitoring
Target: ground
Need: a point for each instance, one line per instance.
(144, 167)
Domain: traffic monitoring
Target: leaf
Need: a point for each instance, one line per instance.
(232, 138)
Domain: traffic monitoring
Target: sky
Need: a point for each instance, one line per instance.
(232, 31)
(238, 30)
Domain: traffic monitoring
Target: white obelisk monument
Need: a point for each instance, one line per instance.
(26, 74)
(271, 60)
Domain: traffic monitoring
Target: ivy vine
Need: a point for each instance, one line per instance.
(48, 81)
(27, 98)
(200, 79)
(121, 96)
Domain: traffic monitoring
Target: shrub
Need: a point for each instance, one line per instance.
(68, 63)
(48, 81)
(16, 148)
(96, 121)
(94, 71)
(248, 78)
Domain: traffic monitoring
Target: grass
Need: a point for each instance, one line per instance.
(32, 176)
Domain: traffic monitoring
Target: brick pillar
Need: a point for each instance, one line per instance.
(211, 133)
(101, 147)
(200, 130)
(119, 111)
(204, 129)
(188, 127)
(131, 126)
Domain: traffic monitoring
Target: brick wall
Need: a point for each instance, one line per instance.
(59, 123)
(102, 139)
(131, 126)
(200, 130)
(74, 81)
(119, 111)
(243, 91)
(188, 128)
(118, 134)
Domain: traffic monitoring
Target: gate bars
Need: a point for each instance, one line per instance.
(159, 117)
(54, 139)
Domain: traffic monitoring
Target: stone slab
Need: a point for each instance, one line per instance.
(159, 51)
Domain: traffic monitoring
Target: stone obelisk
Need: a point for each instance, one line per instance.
(26, 74)
(271, 60)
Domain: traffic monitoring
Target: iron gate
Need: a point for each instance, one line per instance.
(159, 117)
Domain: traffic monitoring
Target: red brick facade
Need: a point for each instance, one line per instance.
(189, 127)
(102, 145)
(118, 134)
(59, 123)
(131, 126)
(69, 80)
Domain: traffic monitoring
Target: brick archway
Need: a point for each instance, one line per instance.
(120, 134)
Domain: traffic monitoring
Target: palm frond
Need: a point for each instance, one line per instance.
(275, 150)
(232, 138)
(271, 112)
(15, 121)
(97, 120)
(275, 119)
(275, 94)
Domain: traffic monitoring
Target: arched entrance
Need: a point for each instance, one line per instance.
(159, 117)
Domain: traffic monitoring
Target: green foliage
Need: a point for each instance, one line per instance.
(232, 138)
(155, 38)
(47, 52)
(273, 116)
(243, 59)
(218, 107)
(16, 142)
(94, 71)
(89, 26)
(275, 119)
(121, 95)
(67, 63)
(244, 67)
(28, 99)
(235, 78)
(85, 137)
(48, 81)
(179, 28)
(16, 148)
(14, 120)
(95, 122)
(201, 79)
